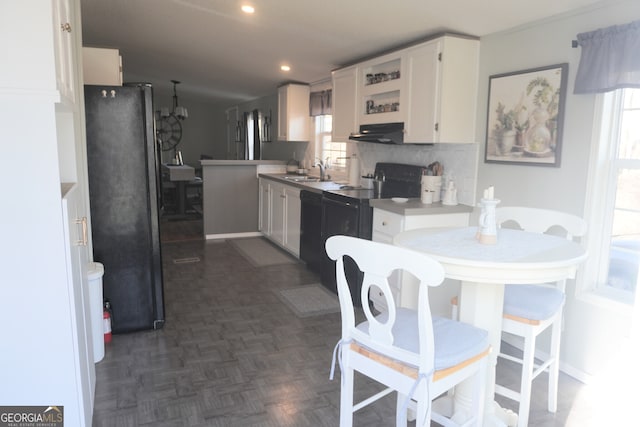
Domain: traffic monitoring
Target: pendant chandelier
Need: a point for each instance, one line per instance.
(178, 111)
(168, 123)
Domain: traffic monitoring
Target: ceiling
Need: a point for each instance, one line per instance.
(220, 53)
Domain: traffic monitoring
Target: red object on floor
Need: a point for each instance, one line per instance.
(106, 321)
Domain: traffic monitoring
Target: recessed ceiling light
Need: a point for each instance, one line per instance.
(285, 68)
(247, 8)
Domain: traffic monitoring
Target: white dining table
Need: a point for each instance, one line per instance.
(518, 257)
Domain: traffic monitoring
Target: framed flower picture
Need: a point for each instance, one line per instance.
(525, 116)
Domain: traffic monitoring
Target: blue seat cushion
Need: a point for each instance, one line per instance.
(532, 301)
(454, 342)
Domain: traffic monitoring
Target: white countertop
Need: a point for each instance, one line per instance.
(416, 207)
(241, 162)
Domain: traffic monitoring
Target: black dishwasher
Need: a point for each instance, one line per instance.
(311, 248)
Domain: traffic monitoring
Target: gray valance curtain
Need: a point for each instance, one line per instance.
(610, 59)
(320, 103)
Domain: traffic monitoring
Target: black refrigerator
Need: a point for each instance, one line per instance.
(123, 168)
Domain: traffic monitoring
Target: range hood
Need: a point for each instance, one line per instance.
(383, 133)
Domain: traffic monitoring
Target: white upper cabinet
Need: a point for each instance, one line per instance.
(101, 66)
(381, 92)
(422, 79)
(344, 108)
(293, 112)
(431, 87)
(64, 44)
(442, 87)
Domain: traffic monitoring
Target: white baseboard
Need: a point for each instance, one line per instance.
(233, 235)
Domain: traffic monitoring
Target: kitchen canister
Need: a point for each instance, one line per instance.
(367, 182)
(426, 196)
(432, 183)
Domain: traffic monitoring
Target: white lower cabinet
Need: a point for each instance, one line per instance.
(264, 200)
(385, 227)
(76, 240)
(277, 203)
(279, 214)
(291, 236)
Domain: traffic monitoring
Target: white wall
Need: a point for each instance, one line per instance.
(592, 330)
(274, 150)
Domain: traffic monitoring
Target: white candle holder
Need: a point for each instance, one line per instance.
(488, 229)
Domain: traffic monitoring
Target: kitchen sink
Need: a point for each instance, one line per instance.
(302, 178)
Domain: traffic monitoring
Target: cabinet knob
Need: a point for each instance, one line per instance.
(66, 27)
(384, 223)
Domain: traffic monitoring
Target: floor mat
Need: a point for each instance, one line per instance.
(310, 300)
(261, 253)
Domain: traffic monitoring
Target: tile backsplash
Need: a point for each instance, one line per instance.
(460, 162)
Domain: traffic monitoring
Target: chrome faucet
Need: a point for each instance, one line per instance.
(323, 167)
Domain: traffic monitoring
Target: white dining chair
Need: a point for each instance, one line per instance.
(408, 351)
(529, 310)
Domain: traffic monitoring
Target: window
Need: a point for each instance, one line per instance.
(616, 221)
(325, 147)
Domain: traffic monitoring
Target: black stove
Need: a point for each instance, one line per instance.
(400, 180)
(352, 193)
(347, 212)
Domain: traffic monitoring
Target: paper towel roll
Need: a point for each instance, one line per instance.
(354, 171)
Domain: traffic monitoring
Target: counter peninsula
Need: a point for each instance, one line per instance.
(230, 196)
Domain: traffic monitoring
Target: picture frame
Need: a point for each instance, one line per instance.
(525, 116)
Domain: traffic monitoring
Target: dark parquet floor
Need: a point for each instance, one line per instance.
(232, 354)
